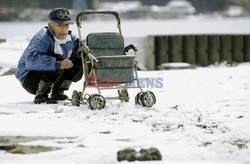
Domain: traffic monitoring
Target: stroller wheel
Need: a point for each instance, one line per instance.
(96, 101)
(138, 98)
(123, 95)
(148, 99)
(75, 98)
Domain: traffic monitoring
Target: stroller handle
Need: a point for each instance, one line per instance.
(79, 17)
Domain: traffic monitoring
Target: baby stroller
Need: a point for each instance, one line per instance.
(106, 65)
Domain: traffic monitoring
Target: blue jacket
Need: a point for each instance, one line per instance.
(39, 54)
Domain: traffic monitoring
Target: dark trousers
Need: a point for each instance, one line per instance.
(33, 78)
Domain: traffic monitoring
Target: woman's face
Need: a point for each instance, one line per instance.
(60, 30)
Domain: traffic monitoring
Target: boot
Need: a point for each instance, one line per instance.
(58, 91)
(42, 92)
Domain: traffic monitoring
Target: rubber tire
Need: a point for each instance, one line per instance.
(138, 98)
(75, 100)
(94, 99)
(120, 92)
(148, 99)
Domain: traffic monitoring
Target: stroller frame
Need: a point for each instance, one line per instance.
(92, 64)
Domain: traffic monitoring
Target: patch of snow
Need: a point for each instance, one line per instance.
(175, 65)
(200, 115)
(119, 6)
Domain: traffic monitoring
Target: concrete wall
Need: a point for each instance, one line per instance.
(201, 50)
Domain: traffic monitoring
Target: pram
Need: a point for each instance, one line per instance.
(106, 65)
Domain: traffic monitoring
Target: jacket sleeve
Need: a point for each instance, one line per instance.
(37, 57)
(75, 55)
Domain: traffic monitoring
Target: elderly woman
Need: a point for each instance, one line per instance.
(48, 64)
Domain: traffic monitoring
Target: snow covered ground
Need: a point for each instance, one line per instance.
(201, 116)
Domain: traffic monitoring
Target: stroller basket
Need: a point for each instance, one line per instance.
(108, 48)
(116, 67)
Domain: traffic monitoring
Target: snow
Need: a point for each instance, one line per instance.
(119, 6)
(180, 7)
(175, 65)
(201, 116)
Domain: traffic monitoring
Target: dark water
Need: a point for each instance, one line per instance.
(135, 28)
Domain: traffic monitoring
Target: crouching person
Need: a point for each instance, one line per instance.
(50, 63)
